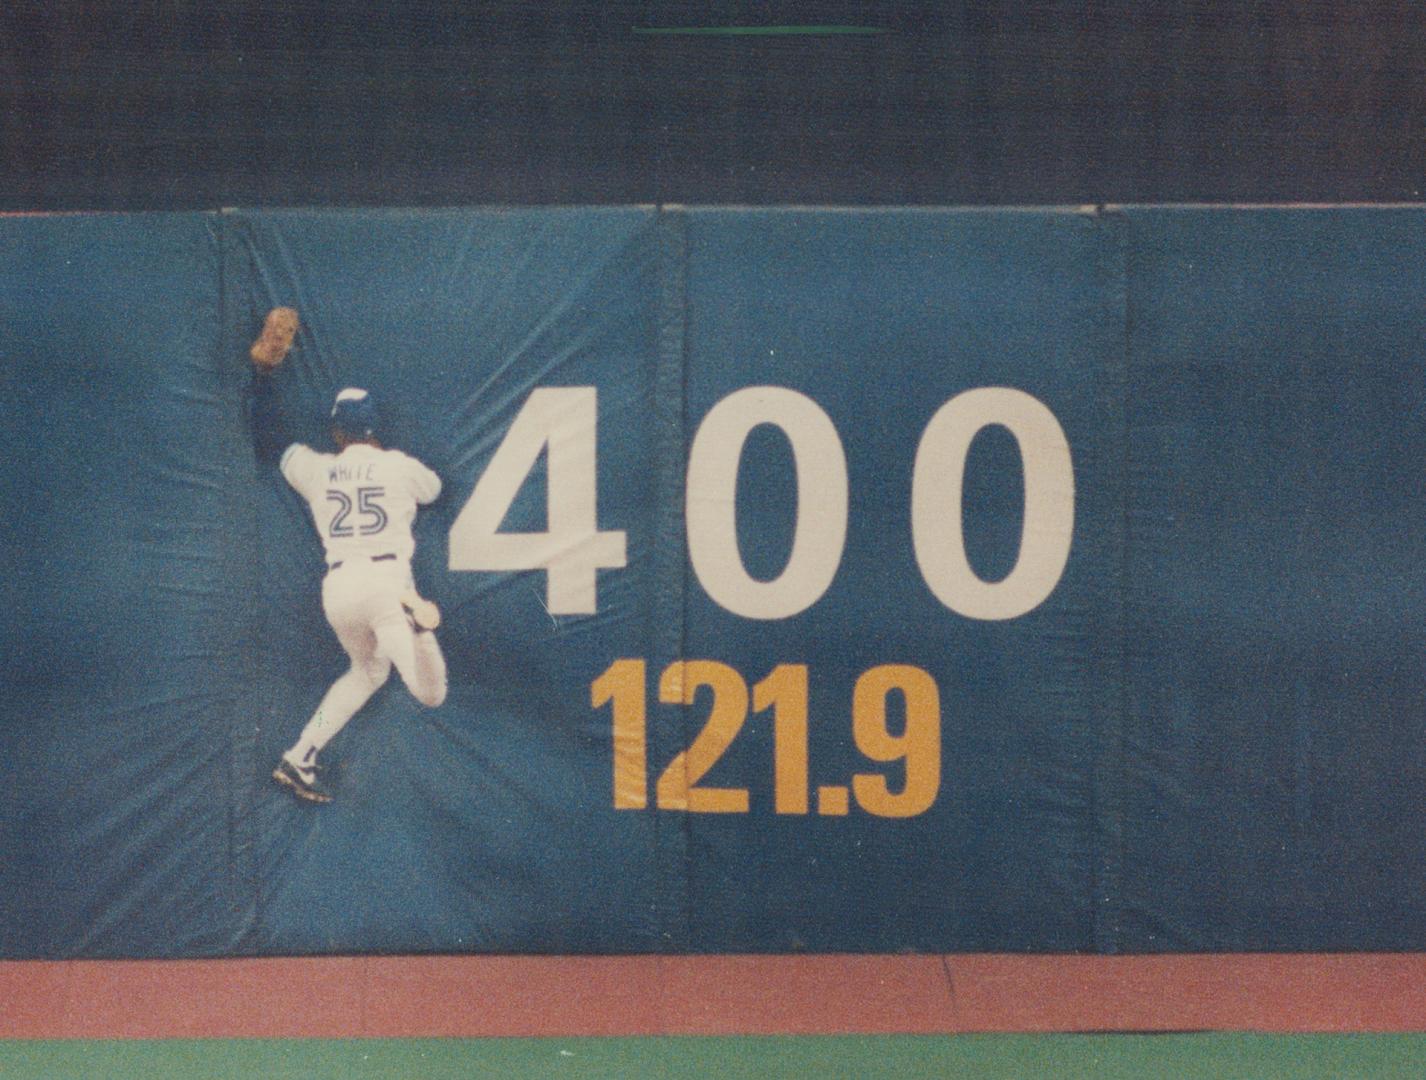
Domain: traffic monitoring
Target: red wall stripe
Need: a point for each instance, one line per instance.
(709, 995)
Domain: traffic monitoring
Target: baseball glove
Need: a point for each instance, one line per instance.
(275, 341)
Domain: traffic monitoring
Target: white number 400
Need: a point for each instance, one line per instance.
(572, 548)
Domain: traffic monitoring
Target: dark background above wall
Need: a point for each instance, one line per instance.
(182, 104)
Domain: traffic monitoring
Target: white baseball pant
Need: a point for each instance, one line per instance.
(362, 602)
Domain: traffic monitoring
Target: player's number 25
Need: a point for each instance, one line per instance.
(371, 515)
(562, 420)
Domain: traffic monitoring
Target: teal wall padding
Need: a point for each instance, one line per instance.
(1207, 736)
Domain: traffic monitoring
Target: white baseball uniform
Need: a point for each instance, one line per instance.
(363, 501)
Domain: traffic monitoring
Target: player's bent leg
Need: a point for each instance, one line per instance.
(422, 613)
(430, 670)
(417, 657)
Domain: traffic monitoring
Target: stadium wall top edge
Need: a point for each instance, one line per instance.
(1079, 209)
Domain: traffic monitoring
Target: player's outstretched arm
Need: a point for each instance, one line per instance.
(279, 331)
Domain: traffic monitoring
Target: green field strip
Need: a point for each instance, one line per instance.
(759, 31)
(1184, 1057)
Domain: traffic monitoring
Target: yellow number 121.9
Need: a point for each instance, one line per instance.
(785, 691)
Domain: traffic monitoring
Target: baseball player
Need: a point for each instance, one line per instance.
(363, 500)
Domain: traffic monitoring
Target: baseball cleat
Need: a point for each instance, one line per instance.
(424, 615)
(301, 781)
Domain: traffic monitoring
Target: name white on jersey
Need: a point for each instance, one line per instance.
(363, 500)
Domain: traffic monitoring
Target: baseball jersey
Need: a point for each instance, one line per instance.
(363, 499)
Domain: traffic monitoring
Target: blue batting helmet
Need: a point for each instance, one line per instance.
(354, 414)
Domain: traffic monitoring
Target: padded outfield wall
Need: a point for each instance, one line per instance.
(1024, 580)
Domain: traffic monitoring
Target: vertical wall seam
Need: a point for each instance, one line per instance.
(247, 700)
(671, 635)
(236, 879)
(1110, 775)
